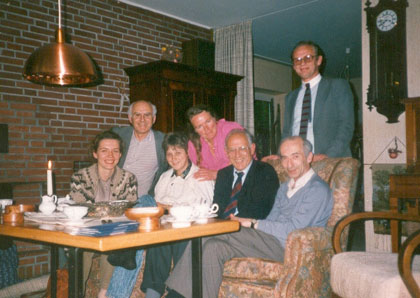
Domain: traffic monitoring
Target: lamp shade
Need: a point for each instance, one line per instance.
(60, 64)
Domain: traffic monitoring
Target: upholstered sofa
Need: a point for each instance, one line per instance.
(306, 268)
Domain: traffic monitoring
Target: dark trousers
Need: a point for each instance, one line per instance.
(158, 265)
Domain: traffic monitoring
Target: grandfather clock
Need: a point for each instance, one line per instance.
(386, 24)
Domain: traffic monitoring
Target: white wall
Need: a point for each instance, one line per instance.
(377, 134)
(272, 76)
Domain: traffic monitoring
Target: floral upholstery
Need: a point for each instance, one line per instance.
(306, 268)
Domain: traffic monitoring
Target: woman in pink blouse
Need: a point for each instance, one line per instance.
(206, 147)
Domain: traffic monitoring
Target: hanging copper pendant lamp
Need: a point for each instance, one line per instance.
(60, 64)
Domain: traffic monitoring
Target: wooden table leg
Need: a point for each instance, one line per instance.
(54, 267)
(395, 226)
(196, 255)
(75, 265)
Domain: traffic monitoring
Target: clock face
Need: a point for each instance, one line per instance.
(386, 20)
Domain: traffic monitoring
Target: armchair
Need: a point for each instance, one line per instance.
(373, 274)
(305, 271)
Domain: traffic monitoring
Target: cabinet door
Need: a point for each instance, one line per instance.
(221, 101)
(182, 100)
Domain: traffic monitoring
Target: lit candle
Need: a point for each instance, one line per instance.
(49, 179)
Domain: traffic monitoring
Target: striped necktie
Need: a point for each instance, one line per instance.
(233, 202)
(306, 112)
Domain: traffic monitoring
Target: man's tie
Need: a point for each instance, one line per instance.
(306, 112)
(233, 202)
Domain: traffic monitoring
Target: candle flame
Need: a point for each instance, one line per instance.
(49, 165)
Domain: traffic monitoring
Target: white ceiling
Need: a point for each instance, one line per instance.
(278, 24)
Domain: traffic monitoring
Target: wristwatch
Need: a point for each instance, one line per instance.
(253, 223)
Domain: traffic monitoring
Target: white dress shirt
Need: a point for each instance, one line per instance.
(294, 186)
(314, 83)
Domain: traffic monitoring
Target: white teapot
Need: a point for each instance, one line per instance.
(48, 204)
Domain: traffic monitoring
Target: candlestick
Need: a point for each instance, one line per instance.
(49, 179)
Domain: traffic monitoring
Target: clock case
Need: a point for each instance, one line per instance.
(388, 62)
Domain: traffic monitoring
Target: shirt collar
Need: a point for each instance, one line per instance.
(111, 178)
(185, 173)
(245, 171)
(148, 138)
(312, 82)
(300, 182)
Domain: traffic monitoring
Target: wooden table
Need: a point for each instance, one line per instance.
(402, 187)
(76, 245)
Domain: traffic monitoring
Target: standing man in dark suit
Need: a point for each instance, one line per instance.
(143, 154)
(328, 122)
(259, 181)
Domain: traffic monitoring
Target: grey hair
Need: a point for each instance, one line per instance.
(130, 108)
(241, 131)
(307, 146)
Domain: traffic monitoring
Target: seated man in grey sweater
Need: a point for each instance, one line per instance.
(304, 201)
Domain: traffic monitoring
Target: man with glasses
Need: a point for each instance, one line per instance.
(247, 187)
(143, 154)
(304, 201)
(322, 109)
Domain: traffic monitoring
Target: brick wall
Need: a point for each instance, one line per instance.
(50, 123)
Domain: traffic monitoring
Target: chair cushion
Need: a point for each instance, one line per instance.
(252, 268)
(368, 274)
(232, 287)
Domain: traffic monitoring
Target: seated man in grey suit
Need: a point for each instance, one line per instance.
(143, 154)
(304, 201)
(322, 109)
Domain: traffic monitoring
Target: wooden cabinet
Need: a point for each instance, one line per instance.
(175, 87)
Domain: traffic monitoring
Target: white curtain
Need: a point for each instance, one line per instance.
(234, 55)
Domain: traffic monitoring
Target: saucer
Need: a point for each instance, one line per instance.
(40, 215)
(203, 220)
(179, 223)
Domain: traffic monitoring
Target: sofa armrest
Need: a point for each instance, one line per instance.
(345, 221)
(307, 240)
(405, 263)
(306, 263)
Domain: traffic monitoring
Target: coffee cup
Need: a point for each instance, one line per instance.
(204, 210)
(182, 213)
(75, 212)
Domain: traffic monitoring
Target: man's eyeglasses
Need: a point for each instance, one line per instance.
(300, 60)
(240, 150)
